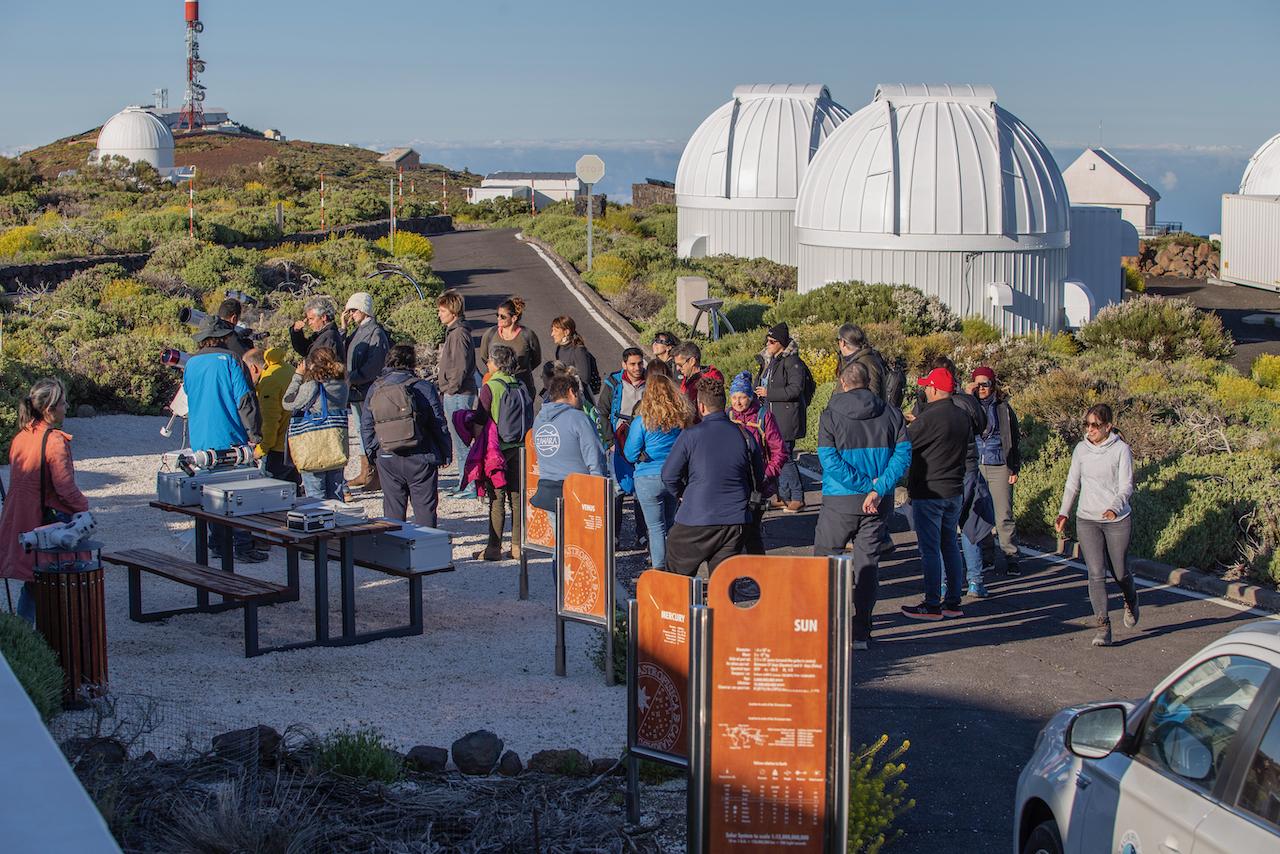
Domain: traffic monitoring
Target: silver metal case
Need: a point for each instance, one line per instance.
(413, 547)
(310, 519)
(246, 497)
(183, 490)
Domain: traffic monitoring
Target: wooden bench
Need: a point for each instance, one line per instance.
(237, 591)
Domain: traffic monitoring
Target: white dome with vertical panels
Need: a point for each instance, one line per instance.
(933, 167)
(757, 146)
(135, 134)
(1262, 175)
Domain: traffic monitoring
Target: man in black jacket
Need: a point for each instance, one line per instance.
(854, 347)
(320, 314)
(780, 384)
(941, 436)
(409, 474)
(367, 344)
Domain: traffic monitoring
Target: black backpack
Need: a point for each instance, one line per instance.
(515, 412)
(895, 380)
(395, 417)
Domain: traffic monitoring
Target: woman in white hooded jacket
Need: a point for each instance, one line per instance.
(1102, 477)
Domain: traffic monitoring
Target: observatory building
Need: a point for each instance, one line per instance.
(740, 173)
(938, 187)
(1251, 223)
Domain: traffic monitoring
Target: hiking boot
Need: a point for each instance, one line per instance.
(488, 555)
(775, 503)
(952, 611)
(1011, 567)
(793, 506)
(1131, 612)
(978, 590)
(932, 613)
(362, 479)
(1102, 637)
(251, 555)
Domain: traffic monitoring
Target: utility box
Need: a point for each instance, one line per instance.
(1250, 234)
(185, 490)
(688, 289)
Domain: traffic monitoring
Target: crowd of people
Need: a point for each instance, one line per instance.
(700, 458)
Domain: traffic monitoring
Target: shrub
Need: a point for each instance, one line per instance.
(362, 753)
(639, 302)
(216, 268)
(609, 274)
(409, 244)
(416, 322)
(855, 302)
(20, 239)
(976, 330)
(1154, 327)
(34, 663)
(1133, 279)
(821, 397)
(877, 797)
(120, 372)
(660, 227)
(1266, 371)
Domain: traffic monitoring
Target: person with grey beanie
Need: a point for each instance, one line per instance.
(1101, 477)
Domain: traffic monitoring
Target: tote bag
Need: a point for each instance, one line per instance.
(318, 440)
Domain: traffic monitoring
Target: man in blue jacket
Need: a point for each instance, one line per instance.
(409, 462)
(864, 451)
(715, 468)
(222, 413)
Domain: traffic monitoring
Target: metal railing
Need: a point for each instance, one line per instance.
(1160, 229)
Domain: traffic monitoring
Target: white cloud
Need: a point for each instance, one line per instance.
(1169, 181)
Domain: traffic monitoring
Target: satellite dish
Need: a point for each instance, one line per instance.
(590, 169)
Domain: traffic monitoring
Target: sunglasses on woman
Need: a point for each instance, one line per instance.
(502, 316)
(1093, 425)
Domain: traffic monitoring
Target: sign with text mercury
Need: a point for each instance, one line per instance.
(660, 677)
(772, 769)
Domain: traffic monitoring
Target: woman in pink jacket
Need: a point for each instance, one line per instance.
(745, 411)
(42, 483)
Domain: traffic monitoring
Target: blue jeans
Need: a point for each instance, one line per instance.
(936, 522)
(452, 404)
(658, 504)
(972, 559)
(790, 486)
(322, 484)
(354, 410)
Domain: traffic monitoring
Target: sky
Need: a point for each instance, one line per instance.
(1183, 91)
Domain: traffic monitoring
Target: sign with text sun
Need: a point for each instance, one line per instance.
(584, 556)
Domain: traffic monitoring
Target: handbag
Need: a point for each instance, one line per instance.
(318, 440)
(755, 499)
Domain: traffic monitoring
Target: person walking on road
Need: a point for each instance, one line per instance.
(404, 431)
(1101, 477)
(318, 381)
(622, 392)
(687, 358)
(507, 402)
(864, 451)
(716, 469)
(367, 344)
(746, 411)
(565, 440)
(663, 414)
(999, 458)
(781, 383)
(320, 314)
(456, 374)
(522, 340)
(573, 352)
(940, 438)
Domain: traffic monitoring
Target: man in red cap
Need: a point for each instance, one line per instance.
(940, 438)
(999, 457)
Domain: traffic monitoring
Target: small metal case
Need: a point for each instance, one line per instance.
(412, 548)
(246, 497)
(310, 519)
(183, 490)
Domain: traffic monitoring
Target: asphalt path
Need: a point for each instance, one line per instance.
(969, 694)
(1232, 303)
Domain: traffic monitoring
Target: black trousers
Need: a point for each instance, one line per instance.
(837, 526)
(753, 536)
(689, 545)
(279, 467)
(405, 479)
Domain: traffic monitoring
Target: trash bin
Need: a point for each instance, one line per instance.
(71, 615)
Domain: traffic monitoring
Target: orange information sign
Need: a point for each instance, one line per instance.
(584, 575)
(538, 530)
(767, 738)
(662, 662)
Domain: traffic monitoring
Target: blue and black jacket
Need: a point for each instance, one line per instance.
(863, 447)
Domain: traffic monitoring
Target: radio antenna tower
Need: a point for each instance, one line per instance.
(192, 116)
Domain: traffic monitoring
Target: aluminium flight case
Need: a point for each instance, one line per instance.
(413, 547)
(247, 497)
(184, 490)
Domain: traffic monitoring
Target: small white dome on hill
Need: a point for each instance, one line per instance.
(135, 134)
(1262, 175)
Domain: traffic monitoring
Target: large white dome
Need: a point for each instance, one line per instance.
(933, 167)
(757, 146)
(1262, 175)
(135, 134)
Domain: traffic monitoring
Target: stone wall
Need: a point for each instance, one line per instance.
(1199, 261)
(647, 195)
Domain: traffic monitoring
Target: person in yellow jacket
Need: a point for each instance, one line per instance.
(271, 375)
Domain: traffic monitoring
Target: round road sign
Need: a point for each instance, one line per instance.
(590, 169)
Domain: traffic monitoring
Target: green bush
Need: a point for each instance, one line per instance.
(660, 226)
(409, 245)
(362, 753)
(1153, 327)
(121, 372)
(34, 663)
(977, 330)
(855, 302)
(416, 322)
(1266, 371)
(821, 397)
(1133, 279)
(877, 797)
(214, 269)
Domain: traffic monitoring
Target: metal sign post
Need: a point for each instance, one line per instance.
(590, 169)
(585, 562)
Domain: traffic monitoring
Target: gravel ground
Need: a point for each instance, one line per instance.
(485, 661)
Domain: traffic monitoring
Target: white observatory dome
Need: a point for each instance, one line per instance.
(938, 187)
(741, 170)
(1262, 175)
(135, 134)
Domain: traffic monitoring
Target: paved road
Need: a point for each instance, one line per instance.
(970, 694)
(1232, 303)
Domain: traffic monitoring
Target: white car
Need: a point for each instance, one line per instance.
(1195, 767)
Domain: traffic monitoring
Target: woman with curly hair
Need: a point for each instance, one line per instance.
(522, 340)
(662, 414)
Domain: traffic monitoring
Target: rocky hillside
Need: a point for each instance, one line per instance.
(1181, 259)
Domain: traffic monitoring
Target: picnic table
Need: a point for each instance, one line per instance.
(273, 529)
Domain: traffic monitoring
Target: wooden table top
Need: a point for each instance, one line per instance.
(275, 526)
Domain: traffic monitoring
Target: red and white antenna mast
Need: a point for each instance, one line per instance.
(192, 116)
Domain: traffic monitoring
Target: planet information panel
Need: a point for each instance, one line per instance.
(662, 662)
(538, 531)
(585, 552)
